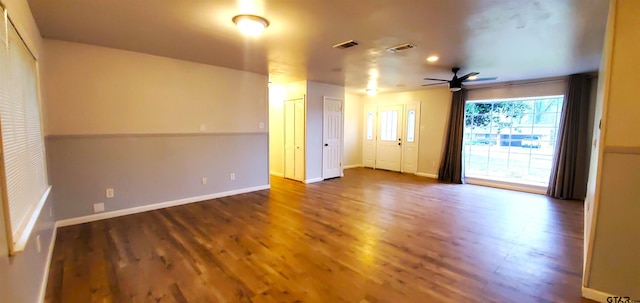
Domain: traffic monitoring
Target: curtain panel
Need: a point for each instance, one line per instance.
(451, 169)
(568, 179)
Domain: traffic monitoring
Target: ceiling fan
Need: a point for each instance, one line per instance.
(455, 84)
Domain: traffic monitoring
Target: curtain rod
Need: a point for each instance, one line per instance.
(515, 83)
(4, 8)
(591, 75)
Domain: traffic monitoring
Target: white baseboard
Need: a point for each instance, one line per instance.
(47, 264)
(140, 209)
(276, 174)
(595, 295)
(314, 180)
(432, 176)
(352, 166)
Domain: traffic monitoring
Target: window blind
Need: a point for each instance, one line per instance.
(23, 166)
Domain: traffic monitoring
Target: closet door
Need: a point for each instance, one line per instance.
(299, 122)
(294, 139)
(289, 139)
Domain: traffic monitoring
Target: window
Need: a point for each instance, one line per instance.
(370, 126)
(389, 125)
(511, 140)
(411, 126)
(24, 181)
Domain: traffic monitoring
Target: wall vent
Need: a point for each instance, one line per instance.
(400, 47)
(346, 44)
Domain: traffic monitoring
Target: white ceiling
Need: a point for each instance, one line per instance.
(508, 39)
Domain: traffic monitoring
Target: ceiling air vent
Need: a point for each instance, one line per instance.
(400, 47)
(346, 44)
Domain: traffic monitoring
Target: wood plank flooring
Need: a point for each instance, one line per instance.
(372, 236)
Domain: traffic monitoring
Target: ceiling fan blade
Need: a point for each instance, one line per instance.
(481, 79)
(432, 84)
(467, 76)
(433, 79)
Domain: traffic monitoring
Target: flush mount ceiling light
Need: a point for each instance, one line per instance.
(250, 25)
(432, 58)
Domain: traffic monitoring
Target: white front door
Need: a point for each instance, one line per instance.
(332, 138)
(389, 144)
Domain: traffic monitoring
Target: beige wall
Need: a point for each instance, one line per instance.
(98, 90)
(22, 275)
(613, 263)
(623, 109)
(435, 105)
(353, 124)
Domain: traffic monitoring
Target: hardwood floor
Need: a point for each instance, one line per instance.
(372, 236)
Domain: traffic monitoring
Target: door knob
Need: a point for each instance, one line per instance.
(399, 143)
(326, 144)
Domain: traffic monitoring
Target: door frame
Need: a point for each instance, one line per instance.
(405, 108)
(324, 101)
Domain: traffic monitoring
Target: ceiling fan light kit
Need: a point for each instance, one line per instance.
(455, 84)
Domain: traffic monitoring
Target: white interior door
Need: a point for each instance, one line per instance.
(410, 138)
(332, 138)
(389, 144)
(294, 139)
(299, 140)
(289, 140)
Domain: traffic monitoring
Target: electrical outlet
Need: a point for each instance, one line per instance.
(98, 207)
(261, 125)
(204, 181)
(203, 127)
(38, 244)
(232, 176)
(109, 193)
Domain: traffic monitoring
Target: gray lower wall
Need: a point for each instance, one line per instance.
(615, 265)
(21, 276)
(150, 169)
